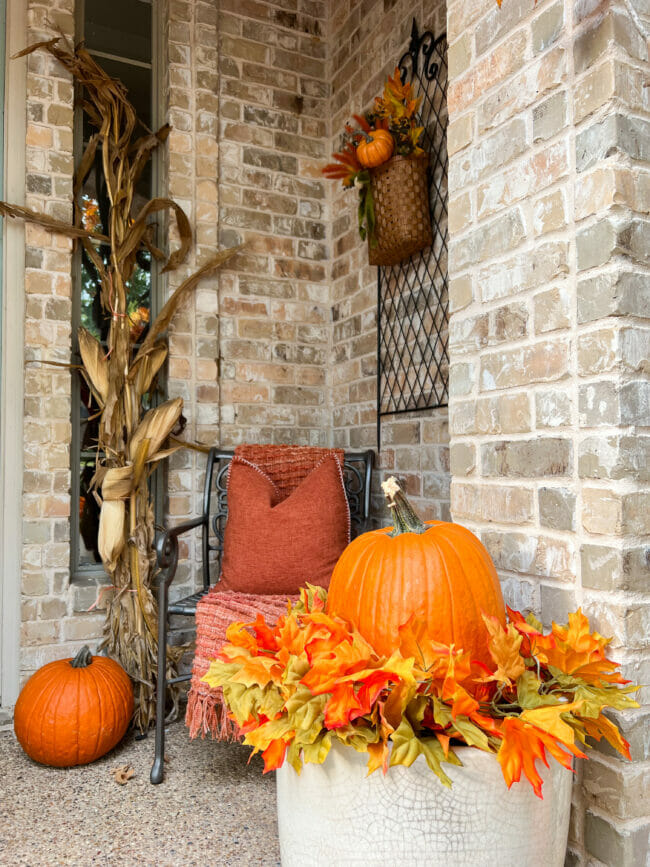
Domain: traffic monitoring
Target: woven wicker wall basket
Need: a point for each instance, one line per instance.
(402, 216)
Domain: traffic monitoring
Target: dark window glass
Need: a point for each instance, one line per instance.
(119, 27)
(119, 35)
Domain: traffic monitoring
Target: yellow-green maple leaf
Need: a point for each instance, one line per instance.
(316, 752)
(549, 719)
(406, 748)
(434, 755)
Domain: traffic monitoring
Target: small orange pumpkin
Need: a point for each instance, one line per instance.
(376, 148)
(438, 572)
(72, 711)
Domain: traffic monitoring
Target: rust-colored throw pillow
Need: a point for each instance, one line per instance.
(273, 546)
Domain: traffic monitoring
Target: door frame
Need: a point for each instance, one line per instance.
(12, 294)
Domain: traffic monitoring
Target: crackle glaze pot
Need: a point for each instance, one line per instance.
(333, 815)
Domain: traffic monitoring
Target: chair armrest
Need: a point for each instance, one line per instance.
(167, 547)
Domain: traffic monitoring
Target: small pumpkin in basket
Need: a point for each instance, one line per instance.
(375, 148)
(437, 571)
(72, 711)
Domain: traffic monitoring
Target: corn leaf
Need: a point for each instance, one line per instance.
(95, 364)
(110, 537)
(163, 319)
(117, 483)
(156, 425)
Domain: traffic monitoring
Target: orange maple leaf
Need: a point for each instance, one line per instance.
(378, 755)
(342, 707)
(414, 641)
(328, 667)
(274, 754)
(239, 635)
(291, 638)
(264, 634)
(580, 653)
(549, 719)
(258, 671)
(522, 745)
(504, 645)
(602, 727)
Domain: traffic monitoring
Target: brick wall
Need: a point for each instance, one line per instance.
(367, 39)
(247, 96)
(47, 613)
(274, 303)
(548, 342)
(190, 82)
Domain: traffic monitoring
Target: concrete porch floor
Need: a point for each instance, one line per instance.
(212, 809)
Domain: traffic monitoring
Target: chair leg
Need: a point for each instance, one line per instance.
(158, 767)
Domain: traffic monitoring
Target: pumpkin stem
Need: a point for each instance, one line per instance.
(405, 518)
(83, 658)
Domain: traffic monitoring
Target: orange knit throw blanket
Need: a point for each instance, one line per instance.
(287, 466)
(215, 612)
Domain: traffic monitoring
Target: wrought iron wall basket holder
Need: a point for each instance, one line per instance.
(400, 190)
(412, 294)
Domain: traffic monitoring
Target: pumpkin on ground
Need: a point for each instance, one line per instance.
(376, 148)
(437, 571)
(72, 711)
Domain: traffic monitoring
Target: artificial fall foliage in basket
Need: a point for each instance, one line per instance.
(313, 677)
(381, 157)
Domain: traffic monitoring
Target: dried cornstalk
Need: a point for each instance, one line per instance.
(131, 442)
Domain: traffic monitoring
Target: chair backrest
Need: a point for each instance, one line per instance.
(357, 475)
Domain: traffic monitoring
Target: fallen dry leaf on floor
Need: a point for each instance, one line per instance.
(122, 774)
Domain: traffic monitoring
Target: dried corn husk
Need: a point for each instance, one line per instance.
(156, 426)
(117, 483)
(50, 223)
(110, 541)
(145, 367)
(140, 462)
(95, 364)
(161, 455)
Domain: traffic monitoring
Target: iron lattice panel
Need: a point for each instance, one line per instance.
(412, 297)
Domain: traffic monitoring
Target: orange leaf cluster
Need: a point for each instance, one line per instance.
(294, 686)
(570, 649)
(395, 111)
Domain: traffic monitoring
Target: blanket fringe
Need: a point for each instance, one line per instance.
(206, 714)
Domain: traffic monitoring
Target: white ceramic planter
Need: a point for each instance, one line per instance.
(334, 815)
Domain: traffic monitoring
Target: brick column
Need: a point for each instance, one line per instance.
(47, 614)
(190, 83)
(549, 353)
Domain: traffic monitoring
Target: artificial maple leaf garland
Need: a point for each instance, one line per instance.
(295, 686)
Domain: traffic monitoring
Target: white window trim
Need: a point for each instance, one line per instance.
(12, 386)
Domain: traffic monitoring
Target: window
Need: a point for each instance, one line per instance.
(121, 37)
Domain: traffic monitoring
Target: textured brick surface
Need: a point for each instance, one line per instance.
(550, 145)
(46, 604)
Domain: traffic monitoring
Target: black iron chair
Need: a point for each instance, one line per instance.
(357, 472)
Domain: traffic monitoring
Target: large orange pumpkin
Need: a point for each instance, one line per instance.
(376, 148)
(437, 571)
(72, 711)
